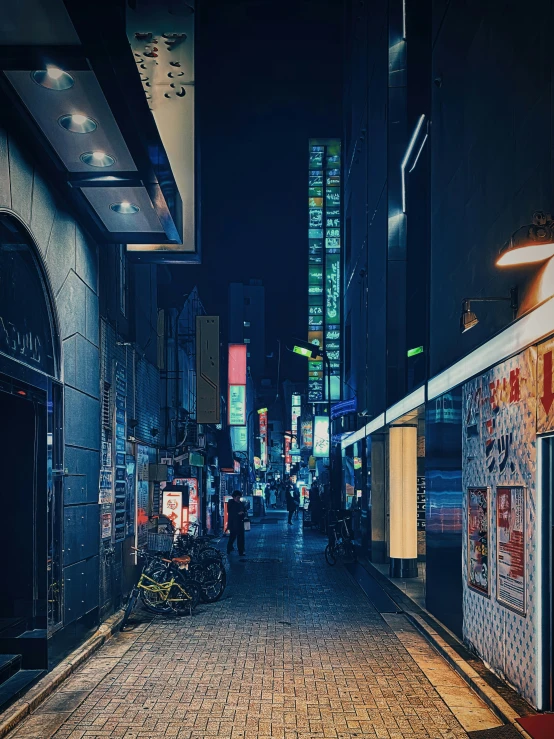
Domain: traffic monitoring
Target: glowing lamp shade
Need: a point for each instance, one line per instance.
(77, 123)
(125, 208)
(97, 159)
(529, 244)
(53, 78)
(303, 351)
(403, 491)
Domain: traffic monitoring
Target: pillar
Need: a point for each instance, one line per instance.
(403, 500)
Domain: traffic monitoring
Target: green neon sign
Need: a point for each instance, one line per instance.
(414, 352)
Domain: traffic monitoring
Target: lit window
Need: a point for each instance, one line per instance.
(247, 354)
(247, 341)
(247, 324)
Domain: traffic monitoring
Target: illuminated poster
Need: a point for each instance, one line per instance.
(194, 503)
(141, 534)
(239, 438)
(237, 405)
(172, 506)
(510, 547)
(262, 419)
(324, 256)
(321, 436)
(307, 434)
(478, 509)
(237, 385)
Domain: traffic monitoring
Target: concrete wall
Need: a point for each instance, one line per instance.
(71, 262)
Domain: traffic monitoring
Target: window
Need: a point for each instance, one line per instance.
(247, 324)
(122, 280)
(247, 341)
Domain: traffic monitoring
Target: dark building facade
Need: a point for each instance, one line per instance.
(448, 154)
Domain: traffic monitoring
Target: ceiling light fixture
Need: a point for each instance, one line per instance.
(78, 123)
(97, 159)
(125, 208)
(468, 319)
(53, 78)
(529, 244)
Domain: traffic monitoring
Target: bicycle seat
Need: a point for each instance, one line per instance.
(181, 560)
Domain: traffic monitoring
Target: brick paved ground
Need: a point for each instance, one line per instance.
(293, 650)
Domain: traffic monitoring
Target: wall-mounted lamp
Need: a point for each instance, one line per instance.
(468, 319)
(529, 244)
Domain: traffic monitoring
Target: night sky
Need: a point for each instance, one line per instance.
(269, 77)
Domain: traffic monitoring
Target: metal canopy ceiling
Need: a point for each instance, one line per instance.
(107, 89)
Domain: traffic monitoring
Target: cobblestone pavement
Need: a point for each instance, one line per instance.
(293, 650)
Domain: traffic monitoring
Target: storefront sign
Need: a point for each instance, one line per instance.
(237, 385)
(307, 431)
(478, 510)
(194, 503)
(172, 506)
(142, 495)
(237, 405)
(239, 438)
(510, 547)
(321, 436)
(262, 419)
(286, 444)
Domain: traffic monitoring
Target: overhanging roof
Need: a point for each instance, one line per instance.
(88, 41)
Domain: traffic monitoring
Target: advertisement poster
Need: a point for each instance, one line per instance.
(237, 405)
(321, 436)
(172, 506)
(194, 503)
(510, 548)
(106, 525)
(142, 494)
(478, 508)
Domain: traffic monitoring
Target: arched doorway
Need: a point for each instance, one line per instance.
(31, 441)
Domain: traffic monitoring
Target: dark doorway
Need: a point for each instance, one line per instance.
(23, 491)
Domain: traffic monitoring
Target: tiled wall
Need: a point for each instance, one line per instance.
(499, 448)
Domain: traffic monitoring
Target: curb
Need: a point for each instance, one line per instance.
(498, 705)
(36, 695)
(488, 695)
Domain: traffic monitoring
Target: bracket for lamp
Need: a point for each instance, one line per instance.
(468, 319)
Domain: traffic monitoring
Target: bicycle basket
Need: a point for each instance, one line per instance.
(159, 542)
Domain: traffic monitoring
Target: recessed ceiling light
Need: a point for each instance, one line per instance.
(97, 159)
(53, 78)
(77, 123)
(125, 208)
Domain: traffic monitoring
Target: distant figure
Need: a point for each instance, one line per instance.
(236, 513)
(272, 498)
(291, 505)
(296, 496)
(314, 505)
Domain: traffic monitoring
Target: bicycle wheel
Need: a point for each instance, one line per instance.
(208, 553)
(211, 577)
(133, 595)
(184, 603)
(330, 556)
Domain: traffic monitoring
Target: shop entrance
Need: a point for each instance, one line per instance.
(547, 485)
(23, 493)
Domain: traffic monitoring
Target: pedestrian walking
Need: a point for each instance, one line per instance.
(236, 513)
(291, 505)
(296, 496)
(272, 498)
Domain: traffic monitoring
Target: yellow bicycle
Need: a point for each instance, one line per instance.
(163, 587)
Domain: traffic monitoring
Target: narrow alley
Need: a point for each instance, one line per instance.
(294, 649)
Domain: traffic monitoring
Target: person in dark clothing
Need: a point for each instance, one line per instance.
(291, 505)
(236, 513)
(296, 496)
(315, 504)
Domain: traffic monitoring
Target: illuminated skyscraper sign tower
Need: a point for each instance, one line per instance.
(324, 260)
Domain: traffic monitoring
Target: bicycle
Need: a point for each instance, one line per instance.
(163, 588)
(340, 546)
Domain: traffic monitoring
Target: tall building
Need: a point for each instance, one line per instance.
(246, 323)
(448, 181)
(85, 171)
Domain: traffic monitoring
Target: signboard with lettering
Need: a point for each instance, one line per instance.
(545, 387)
